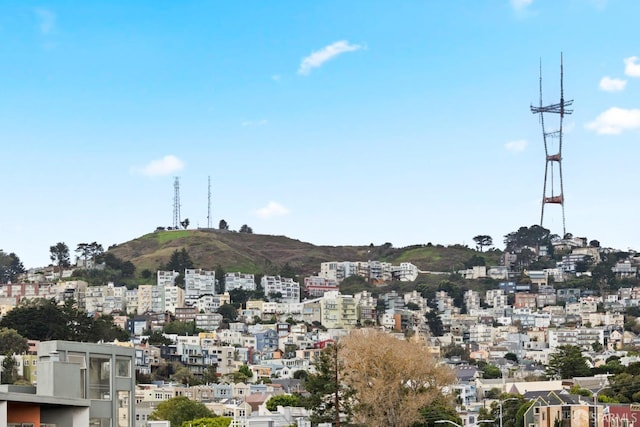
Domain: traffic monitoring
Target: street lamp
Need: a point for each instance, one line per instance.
(447, 421)
(501, 402)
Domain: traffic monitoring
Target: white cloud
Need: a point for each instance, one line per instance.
(165, 166)
(615, 120)
(276, 77)
(631, 68)
(516, 146)
(612, 85)
(272, 209)
(520, 5)
(319, 57)
(46, 20)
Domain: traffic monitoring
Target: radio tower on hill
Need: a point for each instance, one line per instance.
(553, 164)
(176, 203)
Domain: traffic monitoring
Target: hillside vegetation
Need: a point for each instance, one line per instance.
(267, 254)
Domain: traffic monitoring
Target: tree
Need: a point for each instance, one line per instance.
(442, 408)
(228, 311)
(491, 372)
(288, 271)
(511, 405)
(185, 223)
(179, 261)
(10, 267)
(282, 400)
(483, 240)
(220, 279)
(242, 375)
(223, 225)
(392, 379)
(533, 237)
(511, 356)
(83, 252)
(208, 422)
(95, 251)
(60, 255)
(567, 362)
(180, 409)
(328, 396)
(246, 370)
(246, 229)
(45, 320)
(435, 323)
(11, 342)
(180, 328)
(158, 338)
(475, 260)
(9, 370)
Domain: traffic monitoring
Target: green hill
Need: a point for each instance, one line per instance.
(267, 254)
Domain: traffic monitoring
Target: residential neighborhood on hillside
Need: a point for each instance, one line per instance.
(234, 341)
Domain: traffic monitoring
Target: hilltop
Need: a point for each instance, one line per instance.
(267, 254)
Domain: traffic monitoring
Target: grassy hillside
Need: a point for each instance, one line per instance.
(267, 254)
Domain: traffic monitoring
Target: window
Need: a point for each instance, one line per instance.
(123, 368)
(124, 408)
(99, 378)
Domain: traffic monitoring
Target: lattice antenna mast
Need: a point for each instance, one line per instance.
(209, 204)
(553, 161)
(176, 203)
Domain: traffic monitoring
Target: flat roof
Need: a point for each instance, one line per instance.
(43, 400)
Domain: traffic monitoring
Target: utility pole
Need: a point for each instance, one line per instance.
(337, 384)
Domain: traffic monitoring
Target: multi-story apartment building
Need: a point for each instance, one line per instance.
(281, 288)
(496, 298)
(525, 300)
(582, 337)
(338, 311)
(316, 286)
(159, 299)
(239, 281)
(166, 278)
(472, 300)
(444, 302)
(208, 321)
(377, 271)
(405, 272)
(392, 300)
(414, 297)
(198, 282)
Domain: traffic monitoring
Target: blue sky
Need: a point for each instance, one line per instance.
(331, 122)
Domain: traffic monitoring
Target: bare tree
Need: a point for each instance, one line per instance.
(393, 378)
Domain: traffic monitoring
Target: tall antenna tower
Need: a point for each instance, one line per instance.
(553, 141)
(176, 203)
(209, 205)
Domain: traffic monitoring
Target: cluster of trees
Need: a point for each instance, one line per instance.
(375, 379)
(531, 237)
(482, 241)
(11, 343)
(369, 378)
(184, 224)
(223, 225)
(10, 267)
(184, 412)
(88, 251)
(45, 320)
